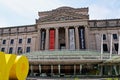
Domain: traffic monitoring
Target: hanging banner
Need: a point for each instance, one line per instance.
(52, 40)
(82, 38)
(71, 39)
(43, 40)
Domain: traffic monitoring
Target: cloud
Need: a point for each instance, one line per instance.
(25, 11)
(27, 7)
(104, 9)
(19, 12)
(99, 12)
(3, 23)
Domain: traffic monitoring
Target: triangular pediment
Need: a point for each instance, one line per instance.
(63, 14)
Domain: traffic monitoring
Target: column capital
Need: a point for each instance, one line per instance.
(118, 31)
(39, 28)
(97, 33)
(85, 25)
(92, 33)
(109, 33)
(57, 28)
(66, 27)
(76, 26)
(47, 28)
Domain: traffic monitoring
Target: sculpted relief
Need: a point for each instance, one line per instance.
(59, 18)
(62, 14)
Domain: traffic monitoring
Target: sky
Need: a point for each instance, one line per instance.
(25, 12)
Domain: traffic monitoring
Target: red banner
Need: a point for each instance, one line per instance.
(52, 40)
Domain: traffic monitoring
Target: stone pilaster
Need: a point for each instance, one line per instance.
(101, 46)
(87, 43)
(119, 42)
(38, 40)
(24, 43)
(111, 45)
(98, 41)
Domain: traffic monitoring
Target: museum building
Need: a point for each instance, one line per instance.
(64, 41)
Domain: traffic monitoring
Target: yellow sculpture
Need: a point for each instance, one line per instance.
(13, 67)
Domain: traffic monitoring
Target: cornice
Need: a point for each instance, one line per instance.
(66, 21)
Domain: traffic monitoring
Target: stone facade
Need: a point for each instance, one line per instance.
(87, 33)
(10, 38)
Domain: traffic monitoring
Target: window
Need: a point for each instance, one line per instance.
(29, 40)
(10, 50)
(116, 46)
(104, 37)
(3, 49)
(20, 41)
(12, 41)
(4, 41)
(105, 47)
(19, 50)
(114, 36)
(28, 49)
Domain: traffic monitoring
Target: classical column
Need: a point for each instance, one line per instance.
(74, 69)
(31, 68)
(66, 38)
(47, 39)
(51, 70)
(59, 69)
(56, 38)
(77, 38)
(101, 46)
(119, 45)
(80, 68)
(40, 68)
(39, 40)
(111, 39)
